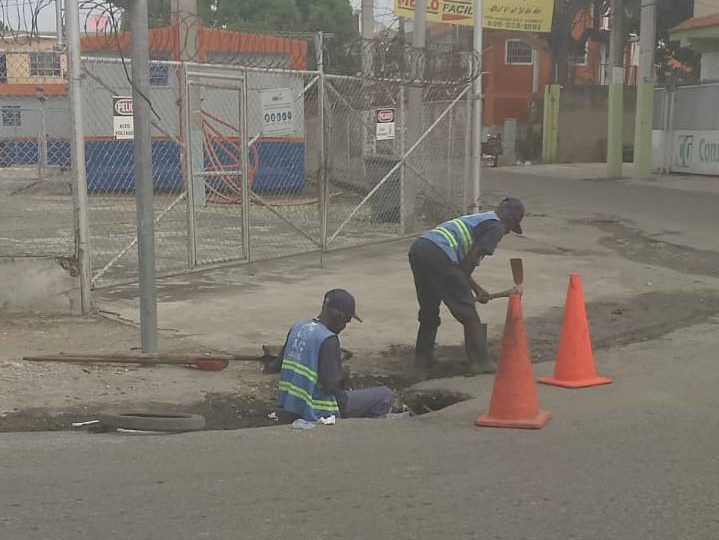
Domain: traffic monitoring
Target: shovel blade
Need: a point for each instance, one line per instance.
(517, 270)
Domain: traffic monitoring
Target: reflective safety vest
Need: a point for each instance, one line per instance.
(456, 236)
(299, 391)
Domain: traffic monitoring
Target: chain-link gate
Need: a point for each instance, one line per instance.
(217, 166)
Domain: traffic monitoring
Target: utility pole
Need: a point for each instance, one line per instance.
(414, 111)
(615, 142)
(367, 24)
(79, 187)
(60, 45)
(476, 190)
(144, 188)
(645, 91)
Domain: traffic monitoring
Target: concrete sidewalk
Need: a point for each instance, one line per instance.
(597, 171)
(240, 308)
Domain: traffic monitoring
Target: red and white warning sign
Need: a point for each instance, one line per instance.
(385, 124)
(123, 122)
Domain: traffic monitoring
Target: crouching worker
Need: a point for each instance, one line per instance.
(313, 383)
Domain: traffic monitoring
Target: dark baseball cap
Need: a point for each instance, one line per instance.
(514, 209)
(342, 301)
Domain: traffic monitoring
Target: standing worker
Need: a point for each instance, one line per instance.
(442, 262)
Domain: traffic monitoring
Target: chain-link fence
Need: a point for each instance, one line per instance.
(36, 210)
(254, 155)
(331, 162)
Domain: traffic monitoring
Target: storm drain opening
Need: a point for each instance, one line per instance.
(428, 401)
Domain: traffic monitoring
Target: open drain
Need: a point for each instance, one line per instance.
(428, 401)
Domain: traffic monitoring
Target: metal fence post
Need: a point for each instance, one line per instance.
(245, 145)
(42, 136)
(144, 187)
(450, 152)
(476, 190)
(186, 112)
(672, 91)
(82, 224)
(322, 176)
(467, 203)
(402, 173)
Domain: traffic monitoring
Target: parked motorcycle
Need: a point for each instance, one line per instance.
(492, 149)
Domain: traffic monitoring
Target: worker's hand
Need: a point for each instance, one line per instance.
(481, 295)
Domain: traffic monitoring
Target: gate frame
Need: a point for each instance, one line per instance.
(196, 78)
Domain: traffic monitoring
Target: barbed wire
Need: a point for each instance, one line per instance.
(186, 37)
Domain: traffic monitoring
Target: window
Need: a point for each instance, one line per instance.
(45, 64)
(578, 55)
(11, 116)
(518, 52)
(3, 69)
(159, 75)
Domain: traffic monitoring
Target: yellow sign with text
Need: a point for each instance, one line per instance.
(517, 15)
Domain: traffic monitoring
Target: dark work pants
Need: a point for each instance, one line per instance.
(437, 280)
(367, 403)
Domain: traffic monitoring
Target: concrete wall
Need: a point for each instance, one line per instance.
(583, 112)
(710, 66)
(686, 130)
(39, 285)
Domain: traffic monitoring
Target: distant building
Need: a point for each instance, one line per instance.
(33, 93)
(518, 65)
(701, 34)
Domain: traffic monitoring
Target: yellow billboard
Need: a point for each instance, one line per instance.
(517, 15)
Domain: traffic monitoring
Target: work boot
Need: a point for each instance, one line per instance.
(478, 363)
(424, 348)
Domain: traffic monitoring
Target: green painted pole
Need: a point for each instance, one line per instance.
(645, 92)
(546, 126)
(643, 131)
(615, 124)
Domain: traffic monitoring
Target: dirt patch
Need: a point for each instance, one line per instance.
(221, 411)
(246, 398)
(428, 401)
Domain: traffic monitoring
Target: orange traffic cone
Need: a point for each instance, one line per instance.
(514, 396)
(574, 367)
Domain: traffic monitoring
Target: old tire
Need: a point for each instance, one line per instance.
(171, 422)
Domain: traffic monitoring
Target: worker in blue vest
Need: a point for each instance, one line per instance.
(313, 383)
(442, 262)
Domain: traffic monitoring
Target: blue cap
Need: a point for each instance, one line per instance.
(342, 301)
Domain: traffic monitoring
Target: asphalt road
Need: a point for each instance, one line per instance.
(686, 217)
(637, 459)
(634, 460)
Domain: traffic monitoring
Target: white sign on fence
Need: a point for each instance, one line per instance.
(277, 115)
(385, 124)
(123, 123)
(695, 152)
